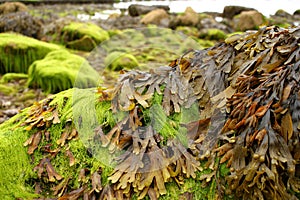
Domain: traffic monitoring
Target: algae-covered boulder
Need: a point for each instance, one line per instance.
(218, 123)
(78, 31)
(60, 70)
(119, 60)
(18, 52)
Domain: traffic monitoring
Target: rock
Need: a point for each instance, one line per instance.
(119, 60)
(77, 30)
(12, 7)
(11, 112)
(123, 22)
(18, 52)
(248, 20)
(86, 43)
(189, 17)
(297, 12)
(158, 17)
(21, 22)
(61, 70)
(281, 18)
(231, 11)
(283, 13)
(137, 10)
(210, 23)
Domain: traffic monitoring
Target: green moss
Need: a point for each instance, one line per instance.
(12, 76)
(119, 60)
(6, 90)
(86, 43)
(18, 52)
(190, 31)
(77, 30)
(213, 34)
(61, 70)
(14, 162)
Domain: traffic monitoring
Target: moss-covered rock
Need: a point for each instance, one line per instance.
(75, 31)
(120, 60)
(18, 52)
(12, 76)
(212, 34)
(61, 70)
(86, 43)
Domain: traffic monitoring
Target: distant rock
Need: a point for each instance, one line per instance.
(86, 43)
(209, 22)
(282, 18)
(12, 7)
(83, 36)
(159, 17)
(137, 10)
(248, 20)
(21, 22)
(230, 11)
(283, 13)
(188, 18)
(297, 12)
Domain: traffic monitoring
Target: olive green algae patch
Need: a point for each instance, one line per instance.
(119, 60)
(61, 70)
(14, 162)
(86, 34)
(18, 52)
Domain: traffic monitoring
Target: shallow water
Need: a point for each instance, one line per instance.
(267, 7)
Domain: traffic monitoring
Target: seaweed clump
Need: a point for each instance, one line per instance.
(226, 117)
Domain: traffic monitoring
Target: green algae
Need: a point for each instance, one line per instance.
(14, 161)
(18, 52)
(213, 34)
(77, 30)
(116, 61)
(61, 70)
(12, 77)
(5, 89)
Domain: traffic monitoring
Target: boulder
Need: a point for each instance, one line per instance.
(21, 22)
(157, 17)
(18, 52)
(248, 20)
(61, 70)
(119, 60)
(86, 43)
(231, 11)
(281, 18)
(209, 22)
(188, 18)
(137, 10)
(297, 12)
(78, 30)
(12, 7)
(283, 13)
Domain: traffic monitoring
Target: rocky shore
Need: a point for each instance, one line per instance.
(141, 37)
